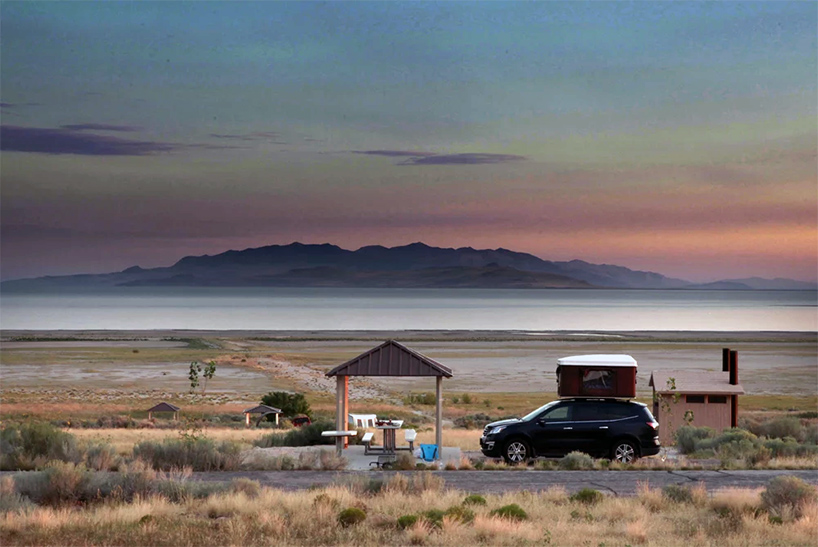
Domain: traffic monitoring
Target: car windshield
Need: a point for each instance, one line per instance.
(531, 415)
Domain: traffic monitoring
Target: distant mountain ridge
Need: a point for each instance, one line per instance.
(410, 266)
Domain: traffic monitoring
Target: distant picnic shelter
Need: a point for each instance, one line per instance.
(389, 359)
(164, 407)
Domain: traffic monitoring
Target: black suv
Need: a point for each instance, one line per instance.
(620, 430)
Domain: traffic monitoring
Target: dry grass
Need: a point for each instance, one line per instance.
(275, 517)
(123, 440)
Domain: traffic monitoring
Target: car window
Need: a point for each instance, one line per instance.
(558, 414)
(589, 412)
(619, 411)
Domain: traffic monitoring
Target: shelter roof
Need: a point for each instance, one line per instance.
(164, 407)
(391, 359)
(262, 409)
(617, 360)
(694, 382)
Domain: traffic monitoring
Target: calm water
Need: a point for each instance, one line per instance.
(396, 309)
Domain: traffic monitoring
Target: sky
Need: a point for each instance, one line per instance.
(675, 137)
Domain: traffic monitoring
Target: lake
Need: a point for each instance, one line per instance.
(143, 308)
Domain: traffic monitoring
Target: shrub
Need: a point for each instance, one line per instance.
(420, 399)
(248, 487)
(588, 496)
(434, 517)
(687, 436)
(577, 460)
(473, 421)
(785, 494)
(511, 512)
(677, 493)
(102, 457)
(31, 445)
(404, 462)
(291, 404)
(407, 521)
(466, 398)
(351, 516)
(460, 513)
(198, 453)
(10, 499)
(778, 428)
(308, 435)
(474, 499)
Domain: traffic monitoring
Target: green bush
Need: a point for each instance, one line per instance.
(511, 512)
(308, 435)
(474, 499)
(31, 445)
(198, 453)
(290, 404)
(434, 517)
(588, 496)
(687, 436)
(574, 461)
(407, 521)
(351, 516)
(677, 493)
(787, 494)
(460, 513)
(778, 428)
(420, 399)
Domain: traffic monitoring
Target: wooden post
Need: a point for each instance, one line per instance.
(346, 409)
(150, 415)
(339, 413)
(276, 418)
(439, 416)
(247, 419)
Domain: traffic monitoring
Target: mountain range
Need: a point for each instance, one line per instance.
(410, 266)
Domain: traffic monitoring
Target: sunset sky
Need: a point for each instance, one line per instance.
(673, 137)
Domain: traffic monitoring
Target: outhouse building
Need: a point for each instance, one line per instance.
(699, 398)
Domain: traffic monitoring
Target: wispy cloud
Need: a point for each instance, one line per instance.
(99, 127)
(464, 159)
(395, 153)
(71, 141)
(256, 136)
(430, 158)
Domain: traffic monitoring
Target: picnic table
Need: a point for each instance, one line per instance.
(389, 427)
(339, 438)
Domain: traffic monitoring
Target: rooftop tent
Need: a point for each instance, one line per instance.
(596, 376)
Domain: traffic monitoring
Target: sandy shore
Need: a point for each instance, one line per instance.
(253, 362)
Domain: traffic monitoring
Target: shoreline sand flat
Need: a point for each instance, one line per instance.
(483, 361)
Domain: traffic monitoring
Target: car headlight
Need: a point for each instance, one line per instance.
(496, 430)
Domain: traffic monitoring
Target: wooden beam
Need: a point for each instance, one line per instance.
(439, 416)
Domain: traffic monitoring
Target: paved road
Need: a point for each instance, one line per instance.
(619, 483)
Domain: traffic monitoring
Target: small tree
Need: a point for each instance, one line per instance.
(196, 372)
(291, 404)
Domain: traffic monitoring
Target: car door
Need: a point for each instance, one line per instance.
(590, 428)
(551, 430)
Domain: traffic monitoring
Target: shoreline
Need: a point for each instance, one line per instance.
(680, 336)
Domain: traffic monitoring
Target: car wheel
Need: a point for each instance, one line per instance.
(624, 452)
(516, 451)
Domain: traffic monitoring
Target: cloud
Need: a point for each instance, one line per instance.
(257, 136)
(430, 158)
(99, 127)
(395, 153)
(70, 141)
(463, 159)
